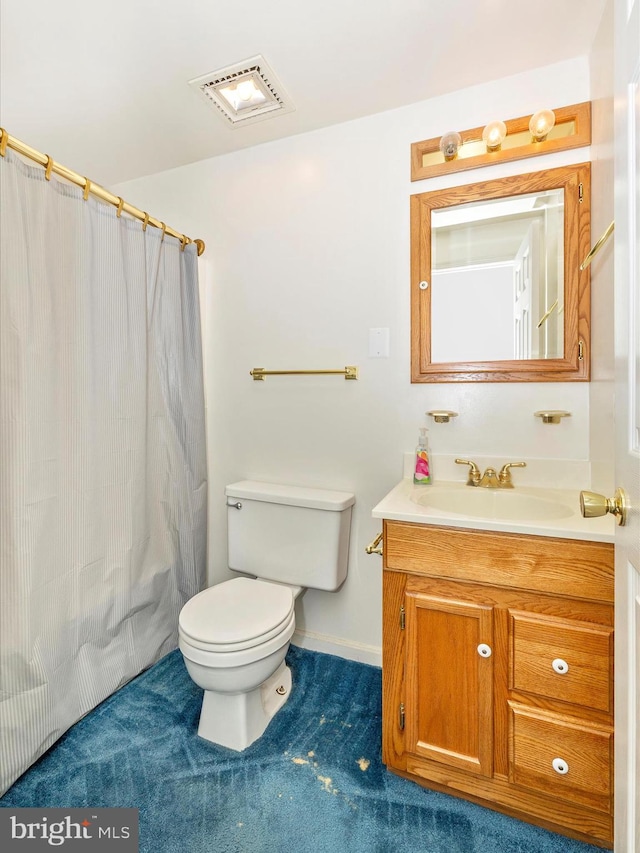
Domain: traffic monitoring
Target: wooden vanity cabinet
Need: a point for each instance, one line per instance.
(498, 672)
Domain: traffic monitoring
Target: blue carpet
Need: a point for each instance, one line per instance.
(314, 783)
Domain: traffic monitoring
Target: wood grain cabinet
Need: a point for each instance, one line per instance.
(498, 672)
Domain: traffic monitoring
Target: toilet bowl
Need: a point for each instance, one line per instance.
(234, 636)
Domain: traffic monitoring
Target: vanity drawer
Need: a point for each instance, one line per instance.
(560, 756)
(562, 659)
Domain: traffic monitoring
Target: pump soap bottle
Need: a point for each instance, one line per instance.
(422, 471)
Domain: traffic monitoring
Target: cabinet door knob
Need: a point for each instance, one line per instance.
(484, 650)
(560, 766)
(560, 666)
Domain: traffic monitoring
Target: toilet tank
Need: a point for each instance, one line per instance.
(289, 534)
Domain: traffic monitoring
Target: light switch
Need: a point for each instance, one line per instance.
(378, 343)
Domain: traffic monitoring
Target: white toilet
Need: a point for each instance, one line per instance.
(234, 636)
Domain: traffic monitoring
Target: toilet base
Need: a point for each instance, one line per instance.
(236, 720)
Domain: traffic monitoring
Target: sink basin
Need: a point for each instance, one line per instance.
(491, 503)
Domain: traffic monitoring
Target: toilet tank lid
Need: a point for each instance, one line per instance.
(291, 495)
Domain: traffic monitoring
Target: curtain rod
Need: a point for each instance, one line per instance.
(89, 187)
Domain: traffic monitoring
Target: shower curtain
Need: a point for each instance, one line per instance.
(102, 454)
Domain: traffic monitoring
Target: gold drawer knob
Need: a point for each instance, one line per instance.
(560, 766)
(560, 666)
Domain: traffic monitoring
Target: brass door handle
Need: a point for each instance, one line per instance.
(593, 505)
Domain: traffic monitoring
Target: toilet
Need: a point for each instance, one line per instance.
(234, 636)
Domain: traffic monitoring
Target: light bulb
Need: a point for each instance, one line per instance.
(449, 145)
(541, 123)
(493, 135)
(246, 90)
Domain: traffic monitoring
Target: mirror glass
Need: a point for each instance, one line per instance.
(497, 278)
(497, 293)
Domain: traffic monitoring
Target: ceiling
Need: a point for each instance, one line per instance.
(103, 86)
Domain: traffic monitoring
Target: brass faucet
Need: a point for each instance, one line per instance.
(490, 479)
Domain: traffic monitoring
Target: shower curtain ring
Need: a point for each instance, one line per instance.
(87, 188)
(184, 240)
(4, 138)
(164, 228)
(120, 206)
(145, 221)
(48, 168)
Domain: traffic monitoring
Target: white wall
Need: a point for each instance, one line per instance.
(307, 249)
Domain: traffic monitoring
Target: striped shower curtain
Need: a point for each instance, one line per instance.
(102, 454)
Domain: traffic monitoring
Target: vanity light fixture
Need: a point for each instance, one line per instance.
(544, 132)
(449, 145)
(442, 416)
(541, 124)
(493, 135)
(552, 416)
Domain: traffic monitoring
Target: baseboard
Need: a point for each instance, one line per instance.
(336, 646)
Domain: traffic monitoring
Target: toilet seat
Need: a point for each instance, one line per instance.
(237, 615)
(220, 657)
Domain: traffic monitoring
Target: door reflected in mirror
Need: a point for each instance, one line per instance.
(497, 293)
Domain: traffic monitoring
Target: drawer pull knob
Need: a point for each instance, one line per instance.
(560, 666)
(484, 650)
(560, 766)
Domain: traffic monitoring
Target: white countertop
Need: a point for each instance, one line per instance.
(400, 504)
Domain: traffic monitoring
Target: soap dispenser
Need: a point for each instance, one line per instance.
(422, 470)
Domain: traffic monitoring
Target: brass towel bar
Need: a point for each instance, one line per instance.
(597, 247)
(259, 373)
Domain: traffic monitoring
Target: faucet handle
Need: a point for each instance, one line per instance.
(505, 474)
(474, 471)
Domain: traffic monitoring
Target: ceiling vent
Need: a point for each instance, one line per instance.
(244, 93)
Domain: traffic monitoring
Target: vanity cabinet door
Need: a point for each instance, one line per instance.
(449, 682)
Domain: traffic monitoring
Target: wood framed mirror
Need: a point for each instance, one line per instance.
(497, 294)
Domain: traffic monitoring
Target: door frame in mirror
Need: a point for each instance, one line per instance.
(575, 181)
